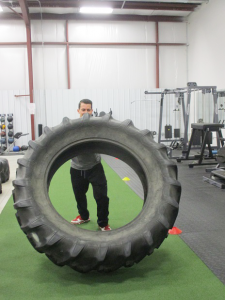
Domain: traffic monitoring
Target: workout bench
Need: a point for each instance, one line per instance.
(206, 129)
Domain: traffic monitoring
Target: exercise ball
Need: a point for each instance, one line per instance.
(10, 140)
(24, 147)
(9, 118)
(16, 148)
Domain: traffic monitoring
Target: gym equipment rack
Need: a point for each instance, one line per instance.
(179, 92)
(3, 132)
(10, 129)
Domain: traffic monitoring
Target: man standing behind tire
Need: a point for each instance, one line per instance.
(86, 169)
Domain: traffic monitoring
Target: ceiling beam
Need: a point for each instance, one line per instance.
(15, 12)
(145, 5)
(25, 12)
(11, 16)
(82, 17)
(160, 6)
(113, 17)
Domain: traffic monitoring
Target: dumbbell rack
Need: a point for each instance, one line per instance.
(3, 132)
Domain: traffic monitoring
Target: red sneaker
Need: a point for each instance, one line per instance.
(106, 228)
(78, 220)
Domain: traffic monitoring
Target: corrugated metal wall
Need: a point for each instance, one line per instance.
(144, 110)
(134, 104)
(125, 104)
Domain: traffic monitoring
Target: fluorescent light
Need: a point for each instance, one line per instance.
(96, 10)
(1, 8)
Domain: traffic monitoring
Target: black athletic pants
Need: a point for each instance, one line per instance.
(80, 181)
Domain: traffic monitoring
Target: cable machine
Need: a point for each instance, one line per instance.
(180, 96)
(221, 106)
(179, 92)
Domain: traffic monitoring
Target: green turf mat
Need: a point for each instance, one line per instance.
(173, 272)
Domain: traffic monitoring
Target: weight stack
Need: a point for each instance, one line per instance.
(168, 131)
(40, 128)
(177, 132)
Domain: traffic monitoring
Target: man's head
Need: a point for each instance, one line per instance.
(85, 106)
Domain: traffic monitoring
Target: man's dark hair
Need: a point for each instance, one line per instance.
(85, 101)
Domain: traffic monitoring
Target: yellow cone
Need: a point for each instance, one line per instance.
(126, 179)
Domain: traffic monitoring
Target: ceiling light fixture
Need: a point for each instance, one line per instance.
(96, 10)
(1, 8)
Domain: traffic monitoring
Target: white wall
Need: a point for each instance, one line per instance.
(49, 67)
(172, 59)
(13, 59)
(112, 76)
(112, 67)
(49, 62)
(93, 66)
(124, 103)
(53, 105)
(207, 44)
(126, 66)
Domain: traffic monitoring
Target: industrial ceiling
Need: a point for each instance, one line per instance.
(148, 10)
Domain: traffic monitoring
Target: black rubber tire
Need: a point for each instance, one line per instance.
(4, 170)
(85, 250)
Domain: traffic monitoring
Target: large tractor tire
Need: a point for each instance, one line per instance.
(4, 170)
(85, 250)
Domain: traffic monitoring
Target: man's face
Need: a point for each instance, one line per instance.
(84, 108)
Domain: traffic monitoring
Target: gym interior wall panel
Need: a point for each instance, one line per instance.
(19, 107)
(136, 67)
(206, 44)
(48, 31)
(172, 66)
(134, 104)
(22, 119)
(12, 31)
(112, 67)
(40, 109)
(124, 104)
(170, 32)
(201, 107)
(145, 109)
(114, 32)
(53, 105)
(49, 67)
(14, 69)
